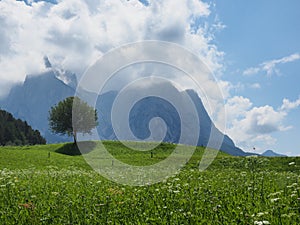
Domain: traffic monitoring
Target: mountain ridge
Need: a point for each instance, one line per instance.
(33, 99)
(271, 153)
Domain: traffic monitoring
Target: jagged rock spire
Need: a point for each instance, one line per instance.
(47, 62)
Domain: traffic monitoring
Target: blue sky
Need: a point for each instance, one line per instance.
(258, 32)
(253, 48)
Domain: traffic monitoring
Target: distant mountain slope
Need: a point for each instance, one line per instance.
(271, 153)
(17, 132)
(32, 101)
(151, 107)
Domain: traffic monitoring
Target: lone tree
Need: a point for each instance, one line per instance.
(72, 116)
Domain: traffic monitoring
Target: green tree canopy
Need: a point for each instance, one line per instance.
(72, 116)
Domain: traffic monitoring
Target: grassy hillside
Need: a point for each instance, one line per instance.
(52, 184)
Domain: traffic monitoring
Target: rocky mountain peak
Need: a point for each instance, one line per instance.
(65, 76)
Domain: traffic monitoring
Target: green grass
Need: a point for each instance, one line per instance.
(37, 157)
(52, 184)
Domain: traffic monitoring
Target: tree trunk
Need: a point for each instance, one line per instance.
(75, 137)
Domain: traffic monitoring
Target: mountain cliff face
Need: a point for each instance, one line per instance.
(32, 101)
(152, 107)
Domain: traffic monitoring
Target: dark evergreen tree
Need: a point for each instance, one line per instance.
(17, 132)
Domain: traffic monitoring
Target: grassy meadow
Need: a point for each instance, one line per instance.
(52, 184)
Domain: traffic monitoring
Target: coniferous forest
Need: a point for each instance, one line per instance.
(17, 132)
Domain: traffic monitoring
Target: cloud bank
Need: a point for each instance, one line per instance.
(73, 34)
(253, 126)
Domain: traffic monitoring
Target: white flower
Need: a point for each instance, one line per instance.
(261, 222)
(243, 174)
(274, 194)
(260, 214)
(274, 199)
(294, 184)
(291, 163)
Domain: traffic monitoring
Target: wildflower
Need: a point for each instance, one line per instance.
(115, 191)
(261, 222)
(294, 185)
(216, 207)
(291, 163)
(258, 222)
(275, 199)
(252, 156)
(27, 205)
(101, 204)
(243, 174)
(260, 214)
(276, 193)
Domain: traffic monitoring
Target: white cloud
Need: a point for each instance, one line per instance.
(75, 33)
(236, 107)
(255, 86)
(270, 67)
(264, 120)
(288, 105)
(253, 126)
(251, 71)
